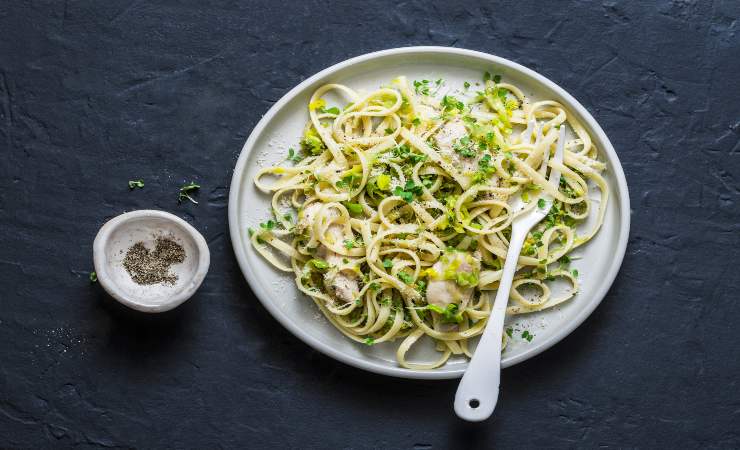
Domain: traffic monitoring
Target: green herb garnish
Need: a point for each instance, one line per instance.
(353, 208)
(485, 170)
(133, 184)
(464, 147)
(294, 156)
(408, 191)
(421, 87)
(406, 278)
(450, 103)
(449, 314)
(251, 233)
(186, 190)
(333, 110)
(318, 264)
(404, 152)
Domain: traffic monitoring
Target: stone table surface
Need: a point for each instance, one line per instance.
(94, 93)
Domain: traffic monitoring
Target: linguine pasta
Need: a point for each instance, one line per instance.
(395, 215)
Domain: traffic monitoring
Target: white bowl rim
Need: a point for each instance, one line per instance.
(365, 364)
(101, 267)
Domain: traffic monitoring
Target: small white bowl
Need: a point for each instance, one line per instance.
(120, 233)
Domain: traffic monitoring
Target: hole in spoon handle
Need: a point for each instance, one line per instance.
(475, 408)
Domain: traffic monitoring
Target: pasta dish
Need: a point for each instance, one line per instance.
(394, 215)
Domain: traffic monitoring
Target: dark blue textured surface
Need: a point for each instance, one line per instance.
(95, 93)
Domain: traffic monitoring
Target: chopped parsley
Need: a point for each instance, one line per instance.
(333, 110)
(349, 244)
(527, 335)
(451, 314)
(464, 147)
(450, 103)
(416, 121)
(318, 264)
(408, 191)
(509, 332)
(294, 156)
(485, 163)
(531, 245)
(466, 85)
(541, 203)
(347, 181)
(251, 233)
(387, 263)
(369, 341)
(404, 152)
(269, 225)
(485, 169)
(406, 278)
(133, 184)
(487, 76)
(93, 277)
(557, 215)
(575, 272)
(186, 190)
(421, 87)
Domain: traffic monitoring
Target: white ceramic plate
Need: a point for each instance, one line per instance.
(281, 128)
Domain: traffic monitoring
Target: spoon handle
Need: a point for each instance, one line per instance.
(477, 393)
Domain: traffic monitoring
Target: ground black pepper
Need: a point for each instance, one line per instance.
(152, 267)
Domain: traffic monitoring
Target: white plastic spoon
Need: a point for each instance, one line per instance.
(477, 393)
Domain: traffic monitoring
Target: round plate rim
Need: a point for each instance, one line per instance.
(365, 364)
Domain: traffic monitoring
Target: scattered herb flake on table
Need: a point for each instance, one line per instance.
(133, 184)
(186, 190)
